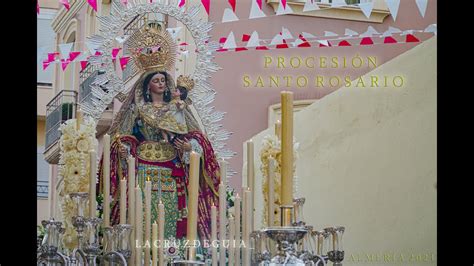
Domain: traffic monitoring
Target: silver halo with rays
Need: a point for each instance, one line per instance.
(202, 95)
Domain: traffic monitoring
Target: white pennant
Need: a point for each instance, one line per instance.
(432, 28)
(338, 3)
(307, 35)
(229, 15)
(286, 33)
(254, 40)
(284, 11)
(350, 32)
(393, 6)
(370, 31)
(297, 42)
(92, 48)
(255, 11)
(310, 5)
(121, 39)
(330, 34)
(174, 32)
(278, 39)
(324, 42)
(367, 8)
(422, 4)
(65, 49)
(230, 41)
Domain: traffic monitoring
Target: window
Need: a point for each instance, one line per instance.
(42, 171)
(45, 38)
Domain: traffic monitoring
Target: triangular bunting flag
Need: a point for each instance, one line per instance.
(282, 46)
(206, 4)
(370, 32)
(405, 32)
(411, 38)
(278, 39)
(115, 52)
(73, 56)
(93, 4)
(238, 49)
(256, 10)
(329, 34)
(245, 37)
(344, 43)
(65, 4)
(338, 3)
(283, 2)
(221, 50)
(393, 6)
(297, 42)
(308, 35)
(229, 16)
(302, 38)
(65, 49)
(367, 8)
(222, 40)
(83, 64)
(230, 41)
(310, 5)
(304, 44)
(124, 62)
(350, 32)
(64, 63)
(286, 34)
(389, 40)
(92, 48)
(232, 4)
(284, 11)
(181, 3)
(323, 43)
(262, 48)
(366, 41)
(254, 40)
(45, 64)
(52, 56)
(432, 28)
(259, 2)
(422, 4)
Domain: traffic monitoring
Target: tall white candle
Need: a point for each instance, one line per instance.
(286, 149)
(193, 186)
(251, 179)
(123, 201)
(131, 200)
(271, 187)
(246, 229)
(213, 235)
(147, 222)
(51, 193)
(223, 171)
(237, 229)
(138, 225)
(231, 239)
(106, 176)
(154, 244)
(92, 182)
(222, 223)
(161, 233)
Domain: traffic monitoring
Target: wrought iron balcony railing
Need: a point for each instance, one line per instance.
(86, 77)
(61, 108)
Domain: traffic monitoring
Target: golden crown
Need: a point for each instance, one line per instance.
(152, 49)
(185, 81)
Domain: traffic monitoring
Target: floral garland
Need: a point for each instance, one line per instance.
(74, 163)
(271, 149)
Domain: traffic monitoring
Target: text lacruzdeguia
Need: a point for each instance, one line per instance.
(319, 81)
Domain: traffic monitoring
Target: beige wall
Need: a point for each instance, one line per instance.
(367, 161)
(43, 209)
(40, 133)
(53, 4)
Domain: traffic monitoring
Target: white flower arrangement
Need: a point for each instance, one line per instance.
(74, 146)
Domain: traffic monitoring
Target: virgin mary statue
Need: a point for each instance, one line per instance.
(138, 130)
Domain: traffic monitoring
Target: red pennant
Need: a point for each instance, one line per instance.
(124, 62)
(232, 4)
(259, 2)
(115, 52)
(64, 63)
(83, 65)
(45, 64)
(73, 55)
(221, 50)
(66, 4)
(344, 43)
(282, 46)
(181, 3)
(302, 38)
(52, 56)
(245, 38)
(262, 48)
(305, 44)
(322, 45)
(366, 41)
(411, 38)
(206, 4)
(283, 2)
(389, 40)
(238, 49)
(222, 40)
(93, 4)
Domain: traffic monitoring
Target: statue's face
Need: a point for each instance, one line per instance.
(158, 84)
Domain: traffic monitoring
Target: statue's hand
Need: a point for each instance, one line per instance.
(183, 145)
